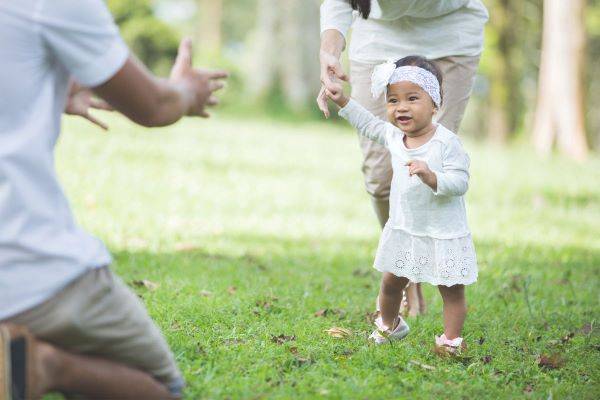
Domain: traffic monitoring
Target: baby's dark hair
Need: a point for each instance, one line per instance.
(422, 62)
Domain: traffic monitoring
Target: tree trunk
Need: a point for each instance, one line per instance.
(299, 48)
(262, 52)
(559, 112)
(499, 126)
(284, 51)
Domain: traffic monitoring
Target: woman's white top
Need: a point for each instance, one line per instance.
(43, 44)
(398, 28)
(415, 207)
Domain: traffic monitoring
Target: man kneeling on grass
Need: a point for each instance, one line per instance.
(68, 324)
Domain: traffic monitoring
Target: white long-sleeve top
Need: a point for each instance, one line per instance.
(399, 28)
(415, 207)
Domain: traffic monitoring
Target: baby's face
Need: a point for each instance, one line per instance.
(409, 107)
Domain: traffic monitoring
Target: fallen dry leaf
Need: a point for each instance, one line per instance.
(300, 361)
(338, 332)
(231, 289)
(146, 283)
(554, 361)
(233, 341)
(586, 329)
(486, 359)
(568, 337)
(528, 388)
(281, 339)
(371, 316)
(205, 293)
(326, 311)
(184, 247)
(322, 313)
(266, 305)
(424, 366)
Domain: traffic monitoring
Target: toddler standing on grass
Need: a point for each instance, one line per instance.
(426, 238)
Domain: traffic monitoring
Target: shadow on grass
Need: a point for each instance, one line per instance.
(255, 316)
(540, 278)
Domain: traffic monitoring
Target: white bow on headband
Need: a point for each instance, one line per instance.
(387, 74)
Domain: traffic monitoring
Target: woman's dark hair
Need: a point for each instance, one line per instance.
(422, 62)
(363, 7)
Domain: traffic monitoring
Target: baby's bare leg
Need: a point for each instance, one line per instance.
(390, 296)
(455, 309)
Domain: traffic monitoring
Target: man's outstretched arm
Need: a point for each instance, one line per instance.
(151, 101)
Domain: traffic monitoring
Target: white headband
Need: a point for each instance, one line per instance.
(387, 74)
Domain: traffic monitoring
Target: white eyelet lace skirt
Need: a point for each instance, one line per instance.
(444, 262)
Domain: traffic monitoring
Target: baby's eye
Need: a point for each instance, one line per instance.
(413, 98)
(392, 101)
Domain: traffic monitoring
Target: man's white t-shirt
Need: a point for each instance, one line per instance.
(43, 44)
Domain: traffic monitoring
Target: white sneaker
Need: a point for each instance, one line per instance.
(383, 334)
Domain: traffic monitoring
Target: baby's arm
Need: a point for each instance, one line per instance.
(454, 179)
(364, 121)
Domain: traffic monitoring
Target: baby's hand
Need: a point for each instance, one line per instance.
(421, 169)
(336, 94)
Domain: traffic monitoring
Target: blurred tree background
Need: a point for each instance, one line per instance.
(271, 49)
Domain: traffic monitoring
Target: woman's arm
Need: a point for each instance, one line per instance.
(151, 101)
(336, 18)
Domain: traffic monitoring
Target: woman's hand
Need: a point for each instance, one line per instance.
(332, 44)
(81, 100)
(421, 169)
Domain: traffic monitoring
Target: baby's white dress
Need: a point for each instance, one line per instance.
(426, 238)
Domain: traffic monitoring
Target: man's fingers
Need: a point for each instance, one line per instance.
(215, 85)
(212, 101)
(218, 74)
(100, 104)
(95, 121)
(184, 53)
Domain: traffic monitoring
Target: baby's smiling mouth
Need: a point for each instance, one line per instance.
(403, 118)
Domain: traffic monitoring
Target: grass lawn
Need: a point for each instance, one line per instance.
(250, 227)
